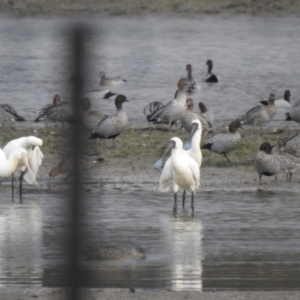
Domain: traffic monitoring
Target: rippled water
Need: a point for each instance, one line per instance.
(234, 241)
(254, 56)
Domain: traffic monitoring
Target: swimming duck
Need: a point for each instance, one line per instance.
(210, 77)
(111, 252)
(289, 162)
(110, 81)
(260, 115)
(223, 143)
(265, 162)
(173, 111)
(112, 126)
(193, 86)
(95, 95)
(206, 114)
(189, 116)
(182, 169)
(8, 114)
(294, 113)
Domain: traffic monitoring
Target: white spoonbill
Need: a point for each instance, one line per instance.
(35, 156)
(192, 149)
(8, 166)
(185, 172)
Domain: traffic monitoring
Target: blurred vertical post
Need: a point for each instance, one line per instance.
(78, 35)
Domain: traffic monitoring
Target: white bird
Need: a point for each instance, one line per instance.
(35, 156)
(9, 165)
(180, 170)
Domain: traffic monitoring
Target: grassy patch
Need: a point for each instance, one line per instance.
(141, 148)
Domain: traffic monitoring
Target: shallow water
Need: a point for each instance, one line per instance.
(254, 56)
(234, 241)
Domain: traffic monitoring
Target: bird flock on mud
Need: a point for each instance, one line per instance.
(182, 168)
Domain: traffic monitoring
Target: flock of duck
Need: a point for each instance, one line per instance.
(182, 168)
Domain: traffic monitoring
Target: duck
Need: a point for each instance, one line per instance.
(284, 103)
(8, 114)
(90, 119)
(111, 81)
(180, 171)
(260, 115)
(112, 252)
(294, 113)
(289, 162)
(93, 95)
(112, 126)
(206, 114)
(210, 77)
(265, 162)
(96, 95)
(58, 111)
(223, 143)
(66, 164)
(172, 111)
(32, 145)
(189, 116)
(152, 108)
(193, 86)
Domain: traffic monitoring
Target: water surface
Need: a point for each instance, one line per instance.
(254, 56)
(234, 241)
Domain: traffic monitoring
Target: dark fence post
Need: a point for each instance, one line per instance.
(78, 34)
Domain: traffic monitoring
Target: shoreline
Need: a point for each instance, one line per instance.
(43, 293)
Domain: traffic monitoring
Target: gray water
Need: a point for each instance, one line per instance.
(235, 240)
(254, 56)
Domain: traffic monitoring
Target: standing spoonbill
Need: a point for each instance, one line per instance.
(185, 172)
(17, 157)
(35, 156)
(191, 148)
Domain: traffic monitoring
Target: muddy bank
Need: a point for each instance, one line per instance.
(72, 8)
(104, 294)
(129, 166)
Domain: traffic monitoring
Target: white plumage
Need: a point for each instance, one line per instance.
(35, 156)
(184, 171)
(193, 150)
(9, 165)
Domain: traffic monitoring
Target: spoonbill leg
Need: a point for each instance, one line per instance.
(175, 204)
